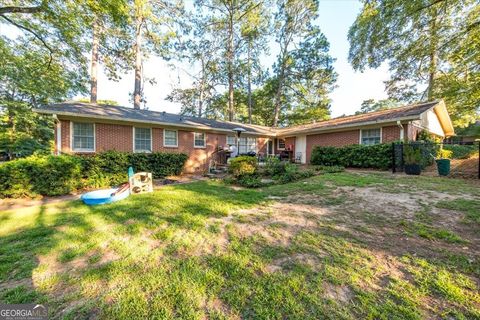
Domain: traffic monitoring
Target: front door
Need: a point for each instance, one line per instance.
(301, 148)
(270, 147)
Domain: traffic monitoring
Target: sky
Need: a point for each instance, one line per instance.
(335, 18)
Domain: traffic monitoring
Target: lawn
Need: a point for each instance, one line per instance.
(335, 246)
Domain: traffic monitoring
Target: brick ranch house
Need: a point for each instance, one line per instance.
(84, 128)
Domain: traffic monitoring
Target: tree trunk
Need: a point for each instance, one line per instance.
(280, 80)
(249, 89)
(432, 69)
(137, 95)
(202, 89)
(230, 68)
(94, 69)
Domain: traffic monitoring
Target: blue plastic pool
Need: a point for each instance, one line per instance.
(103, 196)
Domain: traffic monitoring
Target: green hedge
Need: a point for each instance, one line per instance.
(461, 151)
(377, 156)
(57, 175)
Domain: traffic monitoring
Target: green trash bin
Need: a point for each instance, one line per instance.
(443, 166)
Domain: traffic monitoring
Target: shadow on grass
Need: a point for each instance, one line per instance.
(175, 286)
(71, 232)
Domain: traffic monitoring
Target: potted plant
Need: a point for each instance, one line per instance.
(412, 158)
(443, 161)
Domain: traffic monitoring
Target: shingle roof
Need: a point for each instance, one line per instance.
(147, 116)
(393, 114)
(81, 109)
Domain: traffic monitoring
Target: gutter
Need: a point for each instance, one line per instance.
(167, 124)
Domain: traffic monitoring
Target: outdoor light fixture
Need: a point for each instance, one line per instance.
(239, 132)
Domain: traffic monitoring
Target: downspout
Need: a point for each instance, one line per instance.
(402, 130)
(58, 128)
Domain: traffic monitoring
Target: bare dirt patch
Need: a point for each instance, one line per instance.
(339, 293)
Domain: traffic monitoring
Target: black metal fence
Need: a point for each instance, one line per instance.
(464, 157)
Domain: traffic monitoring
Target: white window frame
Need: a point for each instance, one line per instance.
(72, 123)
(278, 144)
(204, 140)
(361, 140)
(170, 145)
(151, 141)
(247, 145)
(234, 140)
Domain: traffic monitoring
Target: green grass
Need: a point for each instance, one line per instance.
(205, 250)
(471, 208)
(428, 232)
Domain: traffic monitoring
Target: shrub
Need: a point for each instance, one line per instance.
(411, 155)
(56, 175)
(40, 175)
(377, 156)
(461, 151)
(243, 165)
(292, 173)
(273, 166)
(250, 181)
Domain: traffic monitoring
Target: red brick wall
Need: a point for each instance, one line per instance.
(290, 141)
(392, 133)
(331, 139)
(113, 137)
(262, 145)
(65, 131)
(413, 132)
(120, 138)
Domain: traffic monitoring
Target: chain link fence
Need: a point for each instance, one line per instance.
(464, 158)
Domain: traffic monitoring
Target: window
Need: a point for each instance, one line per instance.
(170, 138)
(231, 140)
(370, 136)
(83, 137)
(199, 140)
(247, 144)
(281, 144)
(143, 139)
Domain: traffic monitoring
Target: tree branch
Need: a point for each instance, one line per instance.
(12, 9)
(34, 34)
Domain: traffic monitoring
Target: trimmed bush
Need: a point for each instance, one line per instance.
(32, 176)
(461, 151)
(377, 156)
(57, 175)
(243, 165)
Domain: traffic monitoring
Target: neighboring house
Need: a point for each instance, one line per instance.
(88, 128)
(468, 135)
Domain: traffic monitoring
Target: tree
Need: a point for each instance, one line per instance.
(225, 20)
(303, 71)
(255, 30)
(25, 82)
(372, 105)
(45, 63)
(155, 25)
(201, 51)
(109, 34)
(427, 44)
